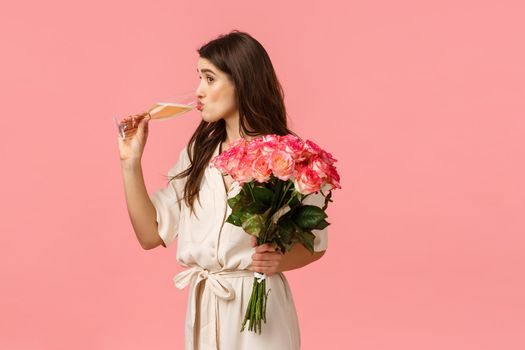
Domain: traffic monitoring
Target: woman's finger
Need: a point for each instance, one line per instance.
(266, 256)
(135, 117)
(265, 263)
(267, 247)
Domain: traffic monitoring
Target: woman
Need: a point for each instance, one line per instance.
(240, 96)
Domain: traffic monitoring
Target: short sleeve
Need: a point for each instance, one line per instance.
(167, 202)
(321, 236)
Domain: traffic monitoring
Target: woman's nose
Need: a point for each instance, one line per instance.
(198, 93)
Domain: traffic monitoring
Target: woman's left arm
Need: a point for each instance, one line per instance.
(268, 261)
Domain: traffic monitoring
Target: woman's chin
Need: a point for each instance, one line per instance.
(210, 119)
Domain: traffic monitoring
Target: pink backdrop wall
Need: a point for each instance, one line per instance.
(421, 102)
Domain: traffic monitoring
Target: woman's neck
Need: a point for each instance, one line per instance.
(232, 130)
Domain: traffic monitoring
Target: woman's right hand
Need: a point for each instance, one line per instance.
(131, 147)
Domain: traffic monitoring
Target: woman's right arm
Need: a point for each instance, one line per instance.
(141, 211)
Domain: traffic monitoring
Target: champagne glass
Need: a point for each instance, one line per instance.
(167, 108)
(173, 106)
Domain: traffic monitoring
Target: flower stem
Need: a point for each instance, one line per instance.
(250, 190)
(284, 194)
(256, 310)
(249, 308)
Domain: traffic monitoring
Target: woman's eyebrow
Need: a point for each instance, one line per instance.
(206, 70)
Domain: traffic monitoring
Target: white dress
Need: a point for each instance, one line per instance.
(217, 255)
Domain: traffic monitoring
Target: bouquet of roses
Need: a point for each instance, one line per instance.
(275, 174)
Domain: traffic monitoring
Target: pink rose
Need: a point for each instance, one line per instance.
(327, 157)
(292, 145)
(306, 180)
(261, 169)
(228, 161)
(333, 178)
(312, 148)
(309, 149)
(269, 143)
(219, 163)
(318, 165)
(244, 171)
(253, 143)
(255, 148)
(331, 181)
(240, 142)
(282, 165)
(232, 158)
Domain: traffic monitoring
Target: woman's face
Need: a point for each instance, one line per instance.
(216, 92)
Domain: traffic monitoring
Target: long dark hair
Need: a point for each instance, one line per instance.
(259, 97)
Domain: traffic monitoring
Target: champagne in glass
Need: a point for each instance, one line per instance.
(173, 107)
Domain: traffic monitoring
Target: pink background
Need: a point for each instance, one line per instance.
(421, 102)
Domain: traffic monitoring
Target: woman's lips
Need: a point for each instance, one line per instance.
(200, 106)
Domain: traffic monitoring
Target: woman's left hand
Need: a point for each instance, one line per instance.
(265, 259)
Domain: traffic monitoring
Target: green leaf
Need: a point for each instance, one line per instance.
(308, 216)
(295, 201)
(239, 205)
(286, 229)
(263, 195)
(288, 247)
(281, 246)
(277, 193)
(271, 234)
(322, 224)
(244, 214)
(307, 239)
(234, 219)
(250, 209)
(244, 206)
(253, 224)
(234, 200)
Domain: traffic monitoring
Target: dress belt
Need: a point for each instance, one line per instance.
(219, 286)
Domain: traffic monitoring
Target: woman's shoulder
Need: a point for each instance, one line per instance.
(182, 162)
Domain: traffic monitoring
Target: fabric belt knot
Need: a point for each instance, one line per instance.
(219, 286)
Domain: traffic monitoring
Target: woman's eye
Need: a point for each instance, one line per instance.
(207, 77)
